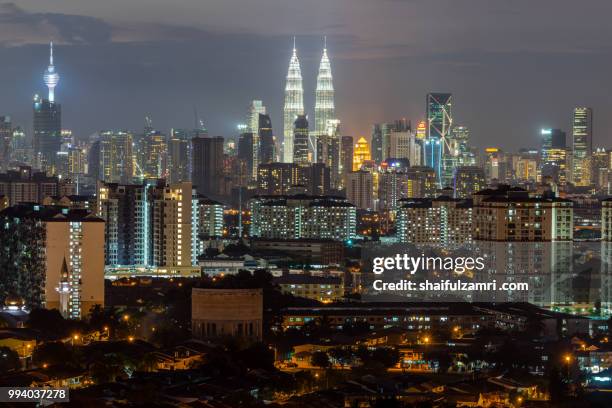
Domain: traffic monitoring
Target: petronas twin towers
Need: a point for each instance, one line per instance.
(294, 101)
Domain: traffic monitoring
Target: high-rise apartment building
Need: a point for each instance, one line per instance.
(421, 182)
(442, 221)
(360, 189)
(210, 218)
(510, 214)
(46, 247)
(606, 220)
(149, 225)
(302, 217)
(393, 183)
(25, 186)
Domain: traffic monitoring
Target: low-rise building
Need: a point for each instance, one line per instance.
(321, 288)
(316, 251)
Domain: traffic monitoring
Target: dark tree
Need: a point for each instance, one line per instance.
(257, 356)
(48, 322)
(9, 360)
(320, 359)
(53, 353)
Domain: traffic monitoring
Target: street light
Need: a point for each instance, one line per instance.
(568, 359)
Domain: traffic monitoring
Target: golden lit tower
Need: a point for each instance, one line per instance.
(361, 153)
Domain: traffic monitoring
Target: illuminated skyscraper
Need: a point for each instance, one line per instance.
(247, 152)
(179, 155)
(6, 136)
(19, 147)
(51, 77)
(294, 104)
(252, 127)
(377, 143)
(582, 145)
(300, 138)
(361, 153)
(257, 108)
(324, 97)
(346, 156)
(47, 132)
(468, 180)
(267, 151)
(554, 155)
(421, 132)
(439, 124)
(116, 159)
(207, 169)
(276, 178)
(460, 146)
(155, 153)
(328, 151)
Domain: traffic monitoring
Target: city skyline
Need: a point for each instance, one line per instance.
(259, 75)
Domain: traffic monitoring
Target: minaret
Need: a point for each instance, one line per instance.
(324, 95)
(63, 288)
(51, 77)
(294, 104)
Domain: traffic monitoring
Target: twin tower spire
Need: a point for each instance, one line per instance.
(294, 99)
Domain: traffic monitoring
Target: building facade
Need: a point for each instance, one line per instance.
(46, 246)
(301, 216)
(219, 313)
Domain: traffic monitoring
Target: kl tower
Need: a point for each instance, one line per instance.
(51, 77)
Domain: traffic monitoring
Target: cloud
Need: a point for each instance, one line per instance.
(18, 27)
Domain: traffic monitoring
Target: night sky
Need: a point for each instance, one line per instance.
(513, 66)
